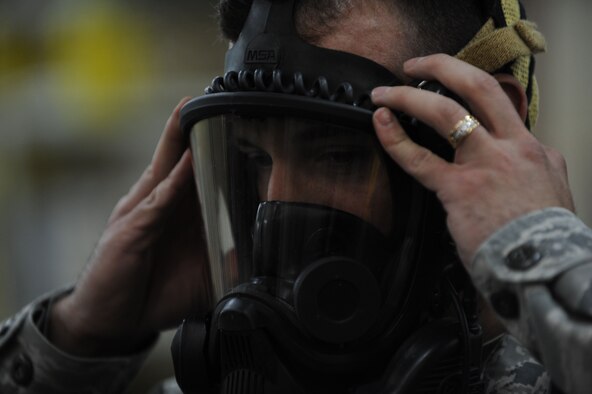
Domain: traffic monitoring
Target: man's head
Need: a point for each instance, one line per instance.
(302, 161)
(387, 32)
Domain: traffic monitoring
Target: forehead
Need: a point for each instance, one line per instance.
(371, 29)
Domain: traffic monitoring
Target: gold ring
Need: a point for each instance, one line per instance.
(462, 130)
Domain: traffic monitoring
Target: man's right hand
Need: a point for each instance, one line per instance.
(148, 270)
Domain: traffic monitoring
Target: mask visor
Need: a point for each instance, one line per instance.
(281, 192)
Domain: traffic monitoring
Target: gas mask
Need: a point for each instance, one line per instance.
(330, 268)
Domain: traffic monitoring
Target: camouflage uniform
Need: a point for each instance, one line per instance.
(536, 272)
(29, 363)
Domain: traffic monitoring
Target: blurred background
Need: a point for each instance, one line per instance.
(87, 85)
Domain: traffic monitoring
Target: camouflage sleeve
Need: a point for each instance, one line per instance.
(30, 364)
(536, 273)
(510, 368)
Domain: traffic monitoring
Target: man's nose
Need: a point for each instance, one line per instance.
(285, 184)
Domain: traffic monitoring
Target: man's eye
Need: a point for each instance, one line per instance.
(255, 156)
(260, 159)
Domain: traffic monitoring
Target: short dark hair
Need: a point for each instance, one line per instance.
(434, 25)
(441, 25)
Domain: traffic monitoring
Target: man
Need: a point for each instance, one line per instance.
(149, 270)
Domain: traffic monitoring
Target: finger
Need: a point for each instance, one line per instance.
(144, 222)
(481, 91)
(169, 149)
(419, 162)
(440, 113)
(171, 145)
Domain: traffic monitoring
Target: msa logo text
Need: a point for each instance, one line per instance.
(261, 56)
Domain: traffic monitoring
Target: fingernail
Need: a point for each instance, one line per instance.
(384, 116)
(379, 92)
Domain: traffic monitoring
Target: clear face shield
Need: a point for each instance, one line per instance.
(306, 209)
(283, 161)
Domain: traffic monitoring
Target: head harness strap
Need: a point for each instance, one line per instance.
(269, 55)
(508, 40)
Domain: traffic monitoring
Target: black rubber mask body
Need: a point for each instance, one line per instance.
(325, 263)
(269, 42)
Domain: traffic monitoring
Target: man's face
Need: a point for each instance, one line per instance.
(296, 160)
(300, 161)
(303, 161)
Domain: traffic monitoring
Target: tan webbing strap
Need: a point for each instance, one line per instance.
(502, 46)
